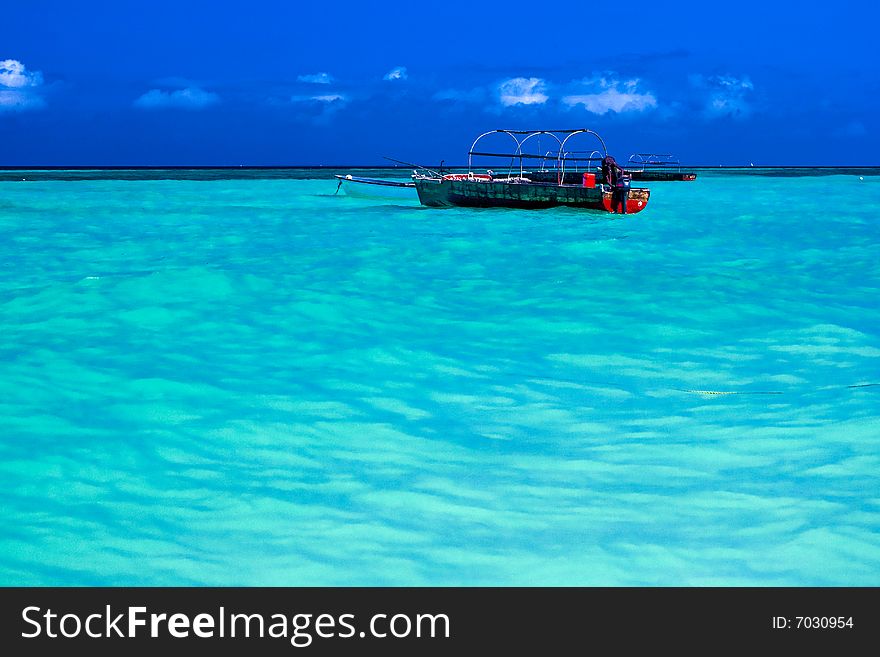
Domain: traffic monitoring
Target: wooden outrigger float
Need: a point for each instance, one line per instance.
(523, 189)
(374, 188)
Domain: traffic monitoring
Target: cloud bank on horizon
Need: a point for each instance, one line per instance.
(608, 94)
(720, 95)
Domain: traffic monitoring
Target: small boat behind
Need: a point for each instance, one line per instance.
(517, 189)
(376, 188)
(657, 167)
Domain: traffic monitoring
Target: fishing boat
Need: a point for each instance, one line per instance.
(375, 188)
(519, 188)
(653, 166)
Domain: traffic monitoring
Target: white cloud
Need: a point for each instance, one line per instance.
(189, 98)
(316, 78)
(397, 73)
(522, 91)
(14, 75)
(608, 94)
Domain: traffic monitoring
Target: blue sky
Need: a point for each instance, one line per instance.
(274, 83)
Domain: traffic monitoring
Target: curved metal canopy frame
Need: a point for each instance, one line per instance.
(584, 131)
(561, 154)
(486, 134)
(535, 134)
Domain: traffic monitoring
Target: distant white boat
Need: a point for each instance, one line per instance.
(376, 188)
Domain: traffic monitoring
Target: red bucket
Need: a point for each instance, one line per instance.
(589, 180)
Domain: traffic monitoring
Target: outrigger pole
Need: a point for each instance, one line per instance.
(416, 166)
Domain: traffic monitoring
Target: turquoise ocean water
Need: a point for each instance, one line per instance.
(251, 381)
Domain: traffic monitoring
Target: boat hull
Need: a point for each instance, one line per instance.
(499, 194)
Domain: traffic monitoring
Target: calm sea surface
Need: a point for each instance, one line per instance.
(253, 381)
